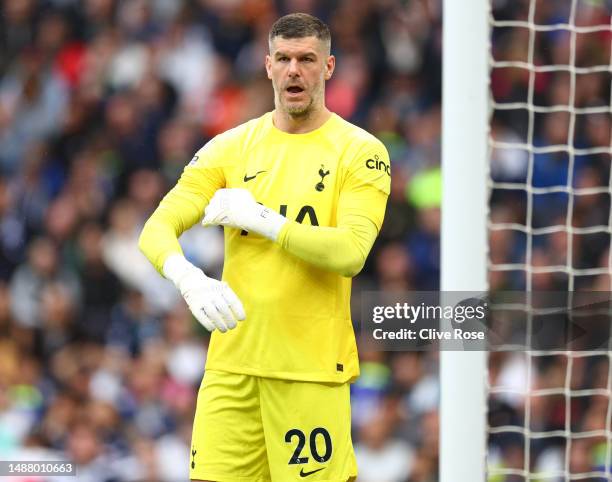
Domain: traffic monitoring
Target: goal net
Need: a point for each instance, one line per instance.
(549, 225)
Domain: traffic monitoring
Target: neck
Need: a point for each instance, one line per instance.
(300, 124)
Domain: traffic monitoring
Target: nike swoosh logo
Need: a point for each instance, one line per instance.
(306, 474)
(249, 178)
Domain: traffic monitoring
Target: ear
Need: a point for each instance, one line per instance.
(330, 65)
(269, 66)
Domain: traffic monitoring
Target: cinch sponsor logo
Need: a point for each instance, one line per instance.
(378, 164)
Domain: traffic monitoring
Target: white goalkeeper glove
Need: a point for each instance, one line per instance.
(212, 302)
(237, 208)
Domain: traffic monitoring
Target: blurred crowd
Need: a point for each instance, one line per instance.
(561, 193)
(102, 104)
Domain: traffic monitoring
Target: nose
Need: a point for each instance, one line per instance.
(293, 70)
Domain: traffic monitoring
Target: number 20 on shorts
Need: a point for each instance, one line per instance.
(312, 439)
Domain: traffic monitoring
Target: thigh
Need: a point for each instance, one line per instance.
(308, 430)
(228, 443)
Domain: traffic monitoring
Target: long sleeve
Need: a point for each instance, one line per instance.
(159, 237)
(183, 206)
(341, 249)
(344, 248)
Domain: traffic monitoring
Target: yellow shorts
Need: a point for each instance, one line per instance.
(253, 429)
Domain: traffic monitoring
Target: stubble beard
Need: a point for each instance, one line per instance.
(300, 111)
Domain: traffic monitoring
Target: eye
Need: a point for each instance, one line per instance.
(283, 59)
(308, 59)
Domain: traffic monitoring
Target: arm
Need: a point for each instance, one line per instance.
(180, 209)
(341, 249)
(361, 208)
(184, 205)
(212, 302)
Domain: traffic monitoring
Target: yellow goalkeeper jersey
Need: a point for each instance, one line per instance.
(298, 324)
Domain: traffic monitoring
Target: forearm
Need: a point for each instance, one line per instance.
(159, 238)
(342, 249)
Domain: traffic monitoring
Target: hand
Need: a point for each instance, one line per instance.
(237, 208)
(212, 302)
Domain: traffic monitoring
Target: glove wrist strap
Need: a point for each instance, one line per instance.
(176, 267)
(271, 223)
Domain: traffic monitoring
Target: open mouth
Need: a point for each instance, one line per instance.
(294, 89)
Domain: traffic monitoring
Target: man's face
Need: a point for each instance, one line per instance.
(298, 68)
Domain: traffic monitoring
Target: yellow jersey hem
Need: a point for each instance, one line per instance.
(282, 375)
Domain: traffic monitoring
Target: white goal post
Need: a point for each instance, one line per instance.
(556, 110)
(465, 115)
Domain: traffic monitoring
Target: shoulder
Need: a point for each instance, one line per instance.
(238, 138)
(361, 141)
(365, 158)
(245, 134)
(360, 149)
(246, 130)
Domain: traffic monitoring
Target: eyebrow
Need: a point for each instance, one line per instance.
(280, 53)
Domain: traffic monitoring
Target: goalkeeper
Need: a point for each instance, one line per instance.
(301, 194)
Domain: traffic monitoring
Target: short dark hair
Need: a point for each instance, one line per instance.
(300, 25)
